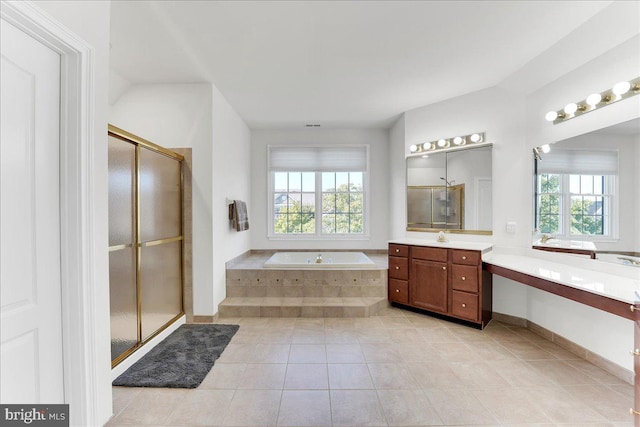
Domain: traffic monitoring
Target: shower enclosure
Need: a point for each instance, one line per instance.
(145, 240)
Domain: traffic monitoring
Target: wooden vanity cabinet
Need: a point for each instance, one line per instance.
(398, 282)
(444, 281)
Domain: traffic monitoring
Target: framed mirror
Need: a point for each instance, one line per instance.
(450, 191)
(587, 194)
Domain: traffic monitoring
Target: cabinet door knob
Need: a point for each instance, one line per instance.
(444, 268)
(464, 305)
(398, 290)
(397, 250)
(633, 308)
(464, 278)
(397, 268)
(635, 352)
(464, 257)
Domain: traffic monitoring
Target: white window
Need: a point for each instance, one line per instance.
(318, 192)
(576, 194)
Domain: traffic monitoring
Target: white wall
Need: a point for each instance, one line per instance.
(500, 115)
(378, 139)
(118, 85)
(397, 180)
(231, 180)
(90, 20)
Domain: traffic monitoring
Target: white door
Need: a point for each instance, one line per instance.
(30, 307)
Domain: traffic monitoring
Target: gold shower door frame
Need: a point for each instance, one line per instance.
(138, 244)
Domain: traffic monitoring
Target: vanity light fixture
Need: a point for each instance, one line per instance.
(621, 90)
(446, 143)
(545, 148)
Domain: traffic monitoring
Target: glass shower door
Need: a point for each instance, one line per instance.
(145, 240)
(122, 247)
(161, 235)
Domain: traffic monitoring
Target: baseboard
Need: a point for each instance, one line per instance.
(137, 355)
(583, 353)
(204, 319)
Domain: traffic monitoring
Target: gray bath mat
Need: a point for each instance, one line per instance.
(181, 360)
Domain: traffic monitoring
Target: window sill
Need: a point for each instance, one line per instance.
(313, 238)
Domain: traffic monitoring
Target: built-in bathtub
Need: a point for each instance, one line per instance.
(292, 284)
(619, 259)
(320, 260)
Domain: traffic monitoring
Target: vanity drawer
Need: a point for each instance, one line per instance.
(465, 306)
(398, 268)
(459, 256)
(464, 278)
(398, 250)
(399, 291)
(430, 254)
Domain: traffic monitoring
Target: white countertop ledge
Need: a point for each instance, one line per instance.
(609, 285)
(452, 244)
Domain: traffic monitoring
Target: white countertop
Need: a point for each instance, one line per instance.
(618, 287)
(452, 244)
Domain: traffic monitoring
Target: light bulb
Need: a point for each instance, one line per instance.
(426, 146)
(571, 108)
(457, 140)
(475, 137)
(594, 99)
(551, 116)
(442, 142)
(621, 88)
(413, 148)
(546, 148)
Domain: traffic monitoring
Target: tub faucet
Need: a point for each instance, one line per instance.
(319, 259)
(545, 238)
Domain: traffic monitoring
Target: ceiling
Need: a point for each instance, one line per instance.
(335, 63)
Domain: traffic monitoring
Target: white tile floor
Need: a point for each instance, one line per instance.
(397, 369)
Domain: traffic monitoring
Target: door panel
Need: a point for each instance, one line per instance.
(123, 301)
(122, 161)
(30, 307)
(161, 285)
(429, 285)
(160, 203)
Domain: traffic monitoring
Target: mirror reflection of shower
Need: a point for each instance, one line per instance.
(449, 183)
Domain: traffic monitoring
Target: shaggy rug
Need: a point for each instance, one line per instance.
(181, 360)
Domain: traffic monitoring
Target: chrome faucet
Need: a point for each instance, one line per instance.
(319, 259)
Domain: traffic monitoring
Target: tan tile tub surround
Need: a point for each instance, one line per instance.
(187, 233)
(255, 291)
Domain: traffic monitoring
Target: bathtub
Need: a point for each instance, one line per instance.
(619, 259)
(330, 260)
